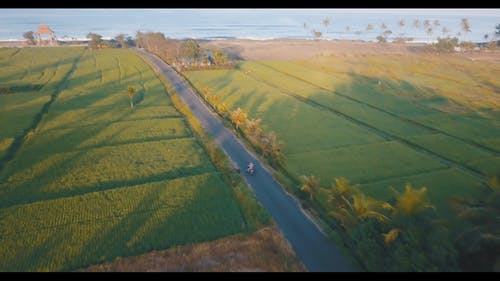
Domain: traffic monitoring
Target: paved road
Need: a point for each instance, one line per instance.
(315, 251)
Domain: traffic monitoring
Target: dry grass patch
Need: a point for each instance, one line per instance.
(264, 250)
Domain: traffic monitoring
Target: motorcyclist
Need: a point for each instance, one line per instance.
(250, 168)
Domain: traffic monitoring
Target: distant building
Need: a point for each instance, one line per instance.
(45, 30)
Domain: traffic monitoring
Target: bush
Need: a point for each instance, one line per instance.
(381, 39)
(446, 44)
(467, 45)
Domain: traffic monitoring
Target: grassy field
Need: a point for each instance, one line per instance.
(30, 76)
(378, 120)
(93, 180)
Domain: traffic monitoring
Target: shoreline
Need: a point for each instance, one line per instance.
(297, 49)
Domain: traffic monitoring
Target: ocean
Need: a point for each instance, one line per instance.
(256, 24)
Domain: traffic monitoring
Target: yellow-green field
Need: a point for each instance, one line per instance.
(87, 179)
(377, 120)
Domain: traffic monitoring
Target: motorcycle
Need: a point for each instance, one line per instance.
(250, 170)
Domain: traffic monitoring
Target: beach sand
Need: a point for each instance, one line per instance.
(295, 49)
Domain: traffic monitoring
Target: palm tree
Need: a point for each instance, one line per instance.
(272, 146)
(253, 131)
(411, 202)
(401, 23)
(309, 185)
(416, 24)
(465, 26)
(238, 117)
(369, 27)
(479, 241)
(213, 100)
(429, 32)
(445, 31)
(383, 26)
(350, 206)
(252, 126)
(305, 25)
(131, 92)
(326, 23)
(206, 92)
(437, 23)
(223, 109)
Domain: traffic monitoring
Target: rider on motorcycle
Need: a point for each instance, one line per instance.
(250, 168)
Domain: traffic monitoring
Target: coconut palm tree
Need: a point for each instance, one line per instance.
(326, 23)
(238, 117)
(369, 27)
(383, 26)
(401, 23)
(437, 23)
(429, 32)
(465, 26)
(479, 241)
(416, 24)
(351, 206)
(309, 185)
(411, 202)
(206, 92)
(445, 31)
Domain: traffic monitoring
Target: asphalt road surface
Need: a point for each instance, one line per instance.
(312, 247)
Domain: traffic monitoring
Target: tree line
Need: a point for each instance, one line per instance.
(429, 27)
(267, 143)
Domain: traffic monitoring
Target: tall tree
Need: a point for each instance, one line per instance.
(416, 24)
(131, 93)
(465, 26)
(478, 241)
(326, 23)
(120, 38)
(383, 26)
(30, 38)
(309, 185)
(411, 202)
(437, 23)
(190, 49)
(253, 130)
(401, 23)
(351, 206)
(427, 24)
(95, 40)
(219, 57)
(369, 27)
(238, 117)
(272, 146)
(445, 31)
(429, 32)
(497, 30)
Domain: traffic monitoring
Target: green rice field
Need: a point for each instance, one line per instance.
(377, 120)
(86, 179)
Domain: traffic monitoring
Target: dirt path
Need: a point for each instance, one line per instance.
(315, 250)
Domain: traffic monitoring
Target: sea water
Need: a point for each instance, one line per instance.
(350, 24)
